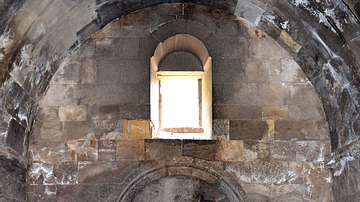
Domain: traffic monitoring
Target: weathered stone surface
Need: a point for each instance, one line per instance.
(51, 151)
(220, 129)
(87, 150)
(300, 130)
(47, 131)
(229, 150)
(130, 150)
(16, 136)
(134, 129)
(283, 151)
(275, 112)
(256, 150)
(73, 130)
(202, 149)
(236, 112)
(72, 113)
(89, 72)
(312, 150)
(162, 150)
(107, 150)
(66, 173)
(248, 129)
(272, 95)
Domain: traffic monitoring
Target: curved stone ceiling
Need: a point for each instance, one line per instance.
(322, 36)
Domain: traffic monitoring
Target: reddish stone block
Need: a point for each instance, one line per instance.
(130, 150)
(229, 150)
(203, 149)
(87, 150)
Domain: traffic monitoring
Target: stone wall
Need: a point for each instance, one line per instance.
(13, 179)
(268, 117)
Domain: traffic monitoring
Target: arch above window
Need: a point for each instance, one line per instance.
(192, 89)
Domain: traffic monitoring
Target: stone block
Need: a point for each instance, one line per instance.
(272, 95)
(283, 151)
(52, 151)
(48, 114)
(229, 150)
(248, 129)
(315, 173)
(268, 173)
(55, 95)
(136, 71)
(306, 112)
(228, 70)
(104, 49)
(73, 130)
(236, 112)
(89, 72)
(137, 129)
(66, 173)
(202, 149)
(103, 112)
(69, 73)
(220, 129)
(302, 95)
(162, 150)
(256, 150)
(16, 136)
(81, 94)
(110, 94)
(73, 113)
(242, 94)
(291, 72)
(257, 71)
(295, 173)
(41, 173)
(52, 15)
(231, 46)
(87, 150)
(301, 130)
(127, 47)
(312, 150)
(47, 131)
(130, 150)
(108, 129)
(71, 151)
(107, 150)
(109, 71)
(275, 112)
(249, 11)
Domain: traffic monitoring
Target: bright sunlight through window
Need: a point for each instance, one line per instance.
(179, 103)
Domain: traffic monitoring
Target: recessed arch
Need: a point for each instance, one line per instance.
(188, 43)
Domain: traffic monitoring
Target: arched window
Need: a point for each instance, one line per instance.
(181, 89)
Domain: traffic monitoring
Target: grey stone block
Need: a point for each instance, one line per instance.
(248, 129)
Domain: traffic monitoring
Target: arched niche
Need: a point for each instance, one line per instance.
(182, 43)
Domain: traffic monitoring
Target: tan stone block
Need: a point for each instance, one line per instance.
(137, 129)
(229, 150)
(262, 190)
(275, 113)
(87, 150)
(272, 94)
(88, 72)
(71, 151)
(55, 95)
(318, 193)
(130, 150)
(271, 133)
(77, 113)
